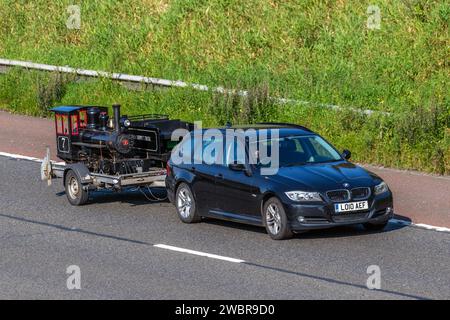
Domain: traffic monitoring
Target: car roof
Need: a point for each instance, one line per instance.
(284, 130)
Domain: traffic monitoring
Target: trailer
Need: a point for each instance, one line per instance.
(115, 154)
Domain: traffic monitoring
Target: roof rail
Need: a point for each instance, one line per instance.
(285, 124)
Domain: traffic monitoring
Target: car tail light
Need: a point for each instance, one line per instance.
(168, 171)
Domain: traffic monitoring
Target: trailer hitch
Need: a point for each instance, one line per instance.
(46, 168)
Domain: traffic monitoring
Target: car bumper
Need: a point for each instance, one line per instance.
(170, 188)
(319, 216)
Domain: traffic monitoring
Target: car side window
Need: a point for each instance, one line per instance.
(209, 152)
(235, 153)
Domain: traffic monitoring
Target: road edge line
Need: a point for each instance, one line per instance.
(420, 225)
(19, 156)
(27, 158)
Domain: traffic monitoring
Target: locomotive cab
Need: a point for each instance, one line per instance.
(69, 122)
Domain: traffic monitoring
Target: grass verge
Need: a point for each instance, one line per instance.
(417, 138)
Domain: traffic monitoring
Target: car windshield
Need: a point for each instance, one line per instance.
(301, 150)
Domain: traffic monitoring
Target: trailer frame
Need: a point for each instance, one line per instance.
(155, 177)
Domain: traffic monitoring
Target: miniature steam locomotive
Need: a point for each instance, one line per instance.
(118, 145)
(100, 151)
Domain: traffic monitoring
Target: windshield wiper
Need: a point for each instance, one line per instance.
(325, 161)
(305, 163)
(295, 164)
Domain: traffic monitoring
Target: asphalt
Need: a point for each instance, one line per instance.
(112, 241)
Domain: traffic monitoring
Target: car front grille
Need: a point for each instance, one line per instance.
(338, 195)
(350, 217)
(360, 193)
(347, 195)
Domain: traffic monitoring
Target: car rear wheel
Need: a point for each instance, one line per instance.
(275, 220)
(375, 226)
(75, 192)
(185, 204)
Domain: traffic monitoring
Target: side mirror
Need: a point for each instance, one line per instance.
(346, 154)
(237, 166)
(240, 167)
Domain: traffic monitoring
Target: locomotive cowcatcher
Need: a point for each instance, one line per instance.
(103, 152)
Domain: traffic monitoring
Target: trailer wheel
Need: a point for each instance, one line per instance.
(76, 195)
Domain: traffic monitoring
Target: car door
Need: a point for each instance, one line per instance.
(203, 184)
(237, 193)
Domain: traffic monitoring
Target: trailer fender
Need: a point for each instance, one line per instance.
(80, 170)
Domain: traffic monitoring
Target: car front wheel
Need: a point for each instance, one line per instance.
(185, 204)
(275, 220)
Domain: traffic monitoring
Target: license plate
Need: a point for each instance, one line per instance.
(351, 206)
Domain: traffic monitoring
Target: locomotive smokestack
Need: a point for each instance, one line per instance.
(116, 112)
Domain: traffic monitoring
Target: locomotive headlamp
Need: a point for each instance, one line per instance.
(126, 123)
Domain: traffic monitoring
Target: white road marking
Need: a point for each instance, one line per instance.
(420, 225)
(22, 157)
(18, 156)
(398, 221)
(198, 253)
(426, 226)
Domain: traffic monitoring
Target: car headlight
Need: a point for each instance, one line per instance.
(303, 196)
(381, 188)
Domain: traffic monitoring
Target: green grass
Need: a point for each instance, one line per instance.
(318, 51)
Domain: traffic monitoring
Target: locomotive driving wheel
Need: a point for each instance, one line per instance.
(75, 192)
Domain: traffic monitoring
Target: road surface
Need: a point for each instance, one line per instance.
(113, 239)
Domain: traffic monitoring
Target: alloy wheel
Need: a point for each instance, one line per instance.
(273, 219)
(184, 202)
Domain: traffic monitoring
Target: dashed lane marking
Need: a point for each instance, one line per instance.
(198, 253)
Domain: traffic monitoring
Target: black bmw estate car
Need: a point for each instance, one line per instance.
(313, 185)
